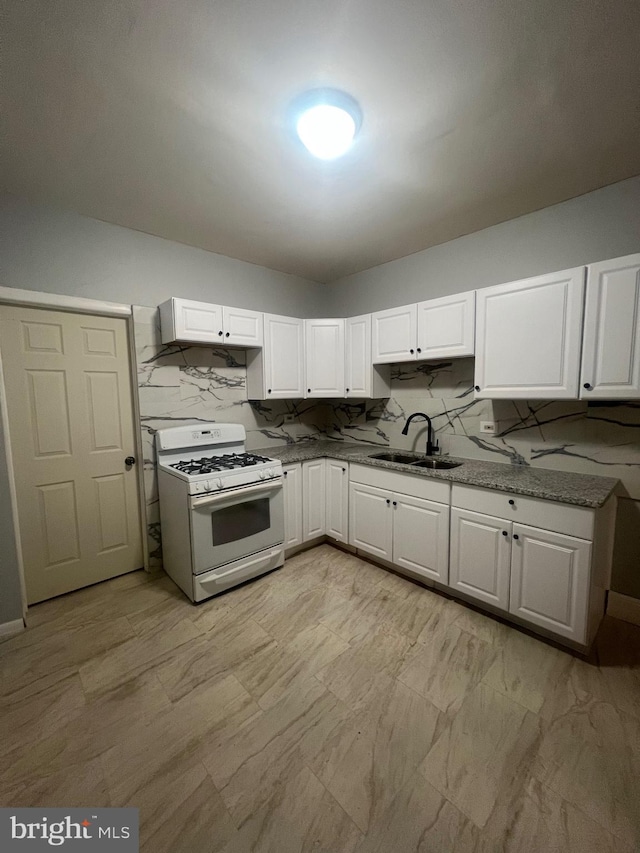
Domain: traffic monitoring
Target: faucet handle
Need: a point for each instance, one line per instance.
(435, 447)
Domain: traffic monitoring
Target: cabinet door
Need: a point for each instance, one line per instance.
(337, 499)
(292, 505)
(283, 357)
(550, 581)
(371, 520)
(324, 363)
(358, 356)
(242, 328)
(611, 350)
(313, 499)
(199, 322)
(421, 536)
(394, 334)
(480, 556)
(528, 337)
(446, 327)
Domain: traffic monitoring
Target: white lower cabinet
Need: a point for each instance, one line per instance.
(393, 517)
(292, 505)
(550, 580)
(313, 499)
(337, 499)
(421, 536)
(554, 578)
(370, 520)
(480, 556)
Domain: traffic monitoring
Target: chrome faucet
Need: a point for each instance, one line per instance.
(432, 446)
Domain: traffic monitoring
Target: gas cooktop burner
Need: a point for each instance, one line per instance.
(211, 464)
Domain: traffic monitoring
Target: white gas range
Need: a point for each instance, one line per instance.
(221, 508)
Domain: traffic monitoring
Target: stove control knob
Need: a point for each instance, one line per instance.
(262, 474)
(219, 482)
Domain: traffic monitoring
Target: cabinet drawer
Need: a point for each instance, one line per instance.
(404, 484)
(548, 515)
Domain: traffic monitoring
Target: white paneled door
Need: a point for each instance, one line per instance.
(69, 404)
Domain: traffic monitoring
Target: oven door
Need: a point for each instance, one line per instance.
(229, 525)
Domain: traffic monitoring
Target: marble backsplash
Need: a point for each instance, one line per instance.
(188, 384)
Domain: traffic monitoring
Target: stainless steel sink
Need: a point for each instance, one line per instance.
(401, 458)
(435, 464)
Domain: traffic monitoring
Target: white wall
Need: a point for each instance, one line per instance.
(602, 224)
(42, 248)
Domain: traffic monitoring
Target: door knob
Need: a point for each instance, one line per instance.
(130, 460)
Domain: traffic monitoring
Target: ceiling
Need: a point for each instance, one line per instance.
(171, 118)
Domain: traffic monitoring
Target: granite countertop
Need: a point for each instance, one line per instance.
(562, 486)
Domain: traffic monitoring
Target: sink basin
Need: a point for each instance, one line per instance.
(401, 458)
(435, 464)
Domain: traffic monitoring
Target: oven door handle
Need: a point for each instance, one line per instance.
(221, 497)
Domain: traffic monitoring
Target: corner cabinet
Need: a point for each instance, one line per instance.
(337, 499)
(313, 499)
(611, 348)
(363, 379)
(204, 323)
(277, 370)
(324, 358)
(528, 338)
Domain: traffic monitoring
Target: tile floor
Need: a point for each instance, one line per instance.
(330, 706)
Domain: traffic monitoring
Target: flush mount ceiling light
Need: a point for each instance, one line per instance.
(326, 121)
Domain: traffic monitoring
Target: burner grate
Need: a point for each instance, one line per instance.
(213, 464)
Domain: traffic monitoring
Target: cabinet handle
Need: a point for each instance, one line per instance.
(268, 390)
(286, 474)
(227, 335)
(515, 536)
(418, 350)
(220, 333)
(395, 503)
(308, 390)
(587, 385)
(504, 532)
(344, 469)
(348, 389)
(411, 351)
(477, 387)
(388, 502)
(512, 503)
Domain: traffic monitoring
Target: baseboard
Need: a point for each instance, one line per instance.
(624, 607)
(8, 629)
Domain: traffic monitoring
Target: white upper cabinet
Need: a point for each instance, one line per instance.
(362, 378)
(325, 359)
(186, 320)
(446, 327)
(277, 370)
(394, 334)
(242, 328)
(528, 336)
(204, 323)
(611, 347)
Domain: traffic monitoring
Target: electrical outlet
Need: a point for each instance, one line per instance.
(289, 419)
(488, 427)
